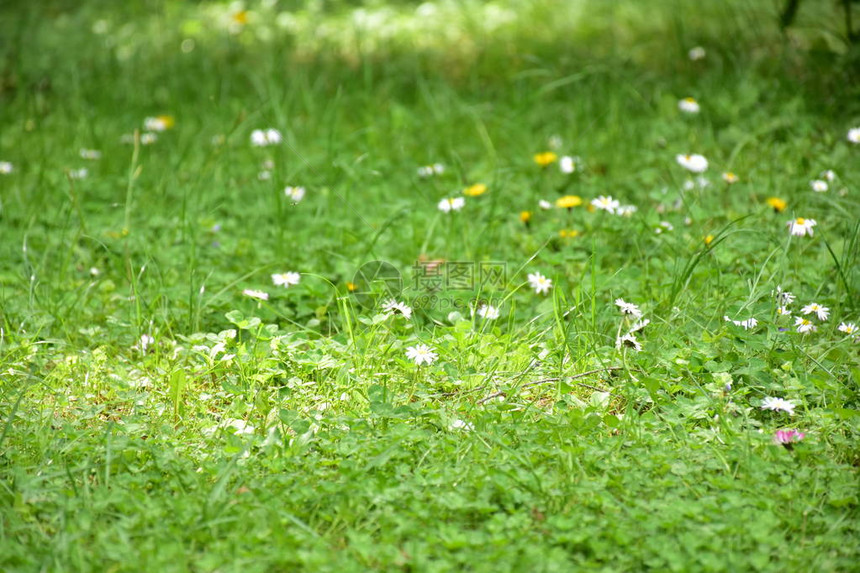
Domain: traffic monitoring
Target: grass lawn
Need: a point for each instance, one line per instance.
(539, 285)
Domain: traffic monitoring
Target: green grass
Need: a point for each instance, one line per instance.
(154, 418)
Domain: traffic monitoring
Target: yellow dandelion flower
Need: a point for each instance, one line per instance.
(778, 204)
(545, 158)
(526, 217)
(568, 233)
(568, 202)
(475, 190)
(708, 240)
(350, 286)
(241, 17)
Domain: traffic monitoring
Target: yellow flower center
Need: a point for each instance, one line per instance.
(525, 216)
(800, 221)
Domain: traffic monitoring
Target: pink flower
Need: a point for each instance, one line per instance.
(787, 437)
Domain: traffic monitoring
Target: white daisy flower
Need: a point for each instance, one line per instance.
(91, 154)
(626, 210)
(819, 186)
(273, 136)
(695, 163)
(697, 53)
(778, 405)
(539, 283)
(664, 226)
(801, 227)
(783, 296)
(689, 105)
(607, 204)
(639, 325)
(145, 342)
(79, 173)
(6, 168)
(828, 175)
(544, 204)
(854, 135)
(567, 164)
(286, 279)
(803, 325)
(822, 312)
(257, 294)
(629, 341)
(394, 307)
(848, 328)
(295, 194)
(262, 138)
(148, 138)
(730, 177)
(451, 204)
(430, 170)
(628, 308)
(156, 123)
(460, 425)
(421, 354)
(264, 175)
(783, 311)
(488, 312)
